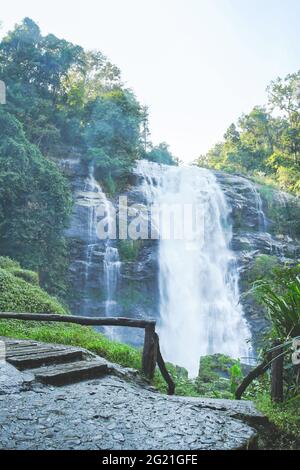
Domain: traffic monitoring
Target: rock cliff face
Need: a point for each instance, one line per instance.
(112, 278)
(264, 222)
(120, 277)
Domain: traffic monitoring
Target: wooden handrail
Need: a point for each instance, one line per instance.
(92, 321)
(164, 371)
(151, 351)
(273, 361)
(253, 374)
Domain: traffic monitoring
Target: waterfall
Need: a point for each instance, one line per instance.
(112, 266)
(275, 247)
(92, 198)
(200, 312)
(262, 222)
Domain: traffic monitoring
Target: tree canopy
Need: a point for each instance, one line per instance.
(265, 142)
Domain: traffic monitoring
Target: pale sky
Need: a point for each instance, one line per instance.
(197, 64)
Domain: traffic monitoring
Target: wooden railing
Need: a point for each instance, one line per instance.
(274, 361)
(151, 350)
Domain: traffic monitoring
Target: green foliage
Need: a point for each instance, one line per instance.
(34, 203)
(33, 68)
(285, 416)
(112, 133)
(214, 376)
(73, 335)
(280, 294)
(283, 308)
(14, 268)
(264, 144)
(184, 385)
(29, 276)
(161, 154)
(8, 263)
(17, 295)
(129, 249)
(236, 376)
(261, 268)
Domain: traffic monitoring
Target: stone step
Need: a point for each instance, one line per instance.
(29, 351)
(72, 372)
(41, 358)
(19, 344)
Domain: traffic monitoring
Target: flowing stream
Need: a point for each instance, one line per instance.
(200, 312)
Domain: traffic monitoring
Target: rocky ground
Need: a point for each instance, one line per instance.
(114, 413)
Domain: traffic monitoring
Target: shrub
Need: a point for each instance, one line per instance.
(281, 296)
(17, 295)
(28, 276)
(8, 263)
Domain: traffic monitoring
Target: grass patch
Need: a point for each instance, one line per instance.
(73, 335)
(284, 433)
(285, 416)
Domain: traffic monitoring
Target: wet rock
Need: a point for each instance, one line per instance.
(153, 421)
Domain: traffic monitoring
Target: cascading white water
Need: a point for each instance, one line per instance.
(274, 247)
(200, 312)
(112, 270)
(262, 222)
(93, 197)
(112, 267)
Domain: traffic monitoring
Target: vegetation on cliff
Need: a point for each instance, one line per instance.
(266, 142)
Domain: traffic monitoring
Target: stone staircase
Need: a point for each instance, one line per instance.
(54, 364)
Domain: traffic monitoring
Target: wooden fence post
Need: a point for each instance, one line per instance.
(163, 369)
(277, 374)
(149, 352)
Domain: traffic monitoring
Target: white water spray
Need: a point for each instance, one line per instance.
(200, 312)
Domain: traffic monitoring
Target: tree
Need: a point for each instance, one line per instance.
(284, 96)
(265, 142)
(34, 203)
(112, 134)
(161, 154)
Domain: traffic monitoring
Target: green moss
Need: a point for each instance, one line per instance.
(214, 376)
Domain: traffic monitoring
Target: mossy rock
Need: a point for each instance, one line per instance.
(214, 376)
(215, 366)
(260, 268)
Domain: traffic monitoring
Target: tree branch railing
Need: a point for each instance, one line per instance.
(151, 351)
